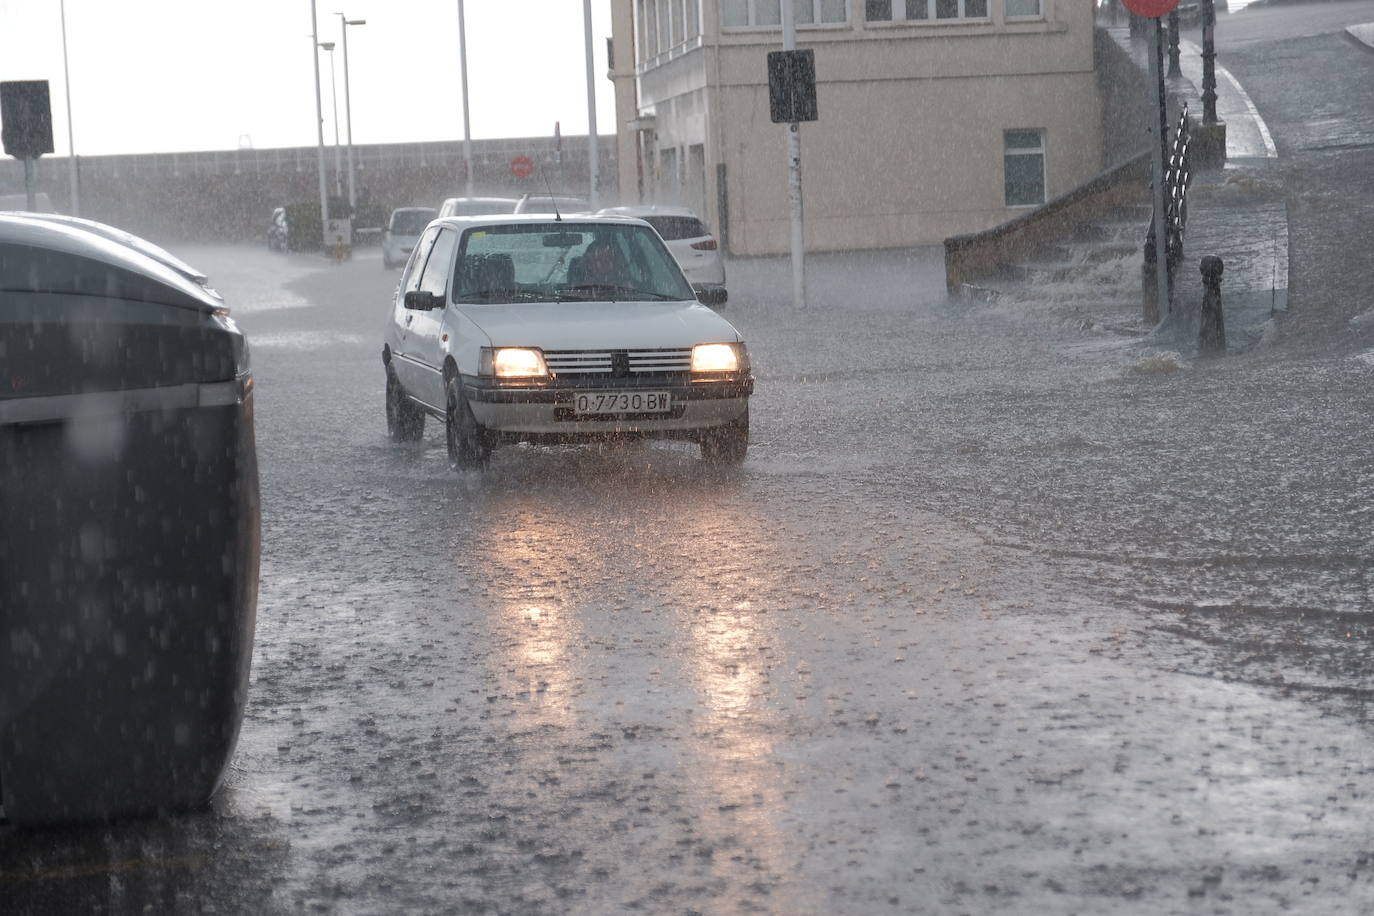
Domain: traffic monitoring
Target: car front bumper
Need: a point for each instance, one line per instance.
(547, 410)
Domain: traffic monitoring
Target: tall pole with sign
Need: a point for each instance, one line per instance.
(792, 99)
(26, 126)
(1156, 9)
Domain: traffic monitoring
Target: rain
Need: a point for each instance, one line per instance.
(1019, 602)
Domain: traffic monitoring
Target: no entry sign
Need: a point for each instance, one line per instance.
(1151, 9)
(523, 167)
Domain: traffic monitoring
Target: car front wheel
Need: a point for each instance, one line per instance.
(405, 421)
(468, 447)
(727, 444)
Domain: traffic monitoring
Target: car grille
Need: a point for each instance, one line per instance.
(603, 362)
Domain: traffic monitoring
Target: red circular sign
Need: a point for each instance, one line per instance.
(1150, 9)
(522, 167)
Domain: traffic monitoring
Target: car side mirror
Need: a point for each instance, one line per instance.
(422, 300)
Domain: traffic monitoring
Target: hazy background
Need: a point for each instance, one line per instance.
(182, 75)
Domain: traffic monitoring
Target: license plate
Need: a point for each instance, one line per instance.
(602, 402)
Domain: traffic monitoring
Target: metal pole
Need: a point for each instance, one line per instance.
(319, 120)
(467, 128)
(593, 150)
(794, 180)
(344, 23)
(1209, 63)
(71, 137)
(338, 152)
(1174, 69)
(28, 186)
(1161, 233)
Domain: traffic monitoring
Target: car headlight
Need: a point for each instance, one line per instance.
(719, 357)
(514, 362)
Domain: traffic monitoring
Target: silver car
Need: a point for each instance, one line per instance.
(402, 232)
(539, 329)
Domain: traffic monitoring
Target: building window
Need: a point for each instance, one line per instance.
(924, 10)
(693, 19)
(1023, 166)
(648, 23)
(1023, 9)
(741, 13)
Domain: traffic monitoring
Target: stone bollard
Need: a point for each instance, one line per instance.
(1211, 334)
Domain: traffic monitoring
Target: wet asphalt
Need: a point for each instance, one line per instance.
(999, 616)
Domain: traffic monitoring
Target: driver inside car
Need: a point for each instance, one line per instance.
(601, 264)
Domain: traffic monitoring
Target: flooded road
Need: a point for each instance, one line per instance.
(996, 618)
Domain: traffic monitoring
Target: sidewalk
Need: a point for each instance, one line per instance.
(1237, 213)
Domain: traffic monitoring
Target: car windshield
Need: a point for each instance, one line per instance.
(559, 261)
(411, 222)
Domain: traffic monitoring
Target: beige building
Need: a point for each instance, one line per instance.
(937, 117)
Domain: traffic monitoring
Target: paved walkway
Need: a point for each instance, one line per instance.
(1237, 214)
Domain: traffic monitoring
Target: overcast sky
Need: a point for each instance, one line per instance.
(179, 75)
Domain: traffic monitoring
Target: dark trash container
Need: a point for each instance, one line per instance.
(129, 530)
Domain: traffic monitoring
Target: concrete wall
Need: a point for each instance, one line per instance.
(230, 194)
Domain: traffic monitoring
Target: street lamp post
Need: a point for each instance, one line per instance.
(71, 137)
(344, 23)
(334, 99)
(319, 119)
(467, 125)
(593, 147)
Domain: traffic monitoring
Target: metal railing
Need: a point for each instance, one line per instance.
(1178, 176)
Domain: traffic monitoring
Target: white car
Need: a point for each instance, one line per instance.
(538, 329)
(690, 242)
(402, 232)
(477, 206)
(562, 204)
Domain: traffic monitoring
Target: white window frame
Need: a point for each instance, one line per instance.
(751, 15)
(1009, 151)
(666, 29)
(899, 14)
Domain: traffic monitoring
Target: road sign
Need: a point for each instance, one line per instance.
(1150, 9)
(25, 118)
(521, 167)
(792, 86)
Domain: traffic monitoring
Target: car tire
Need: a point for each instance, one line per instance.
(405, 420)
(469, 448)
(727, 444)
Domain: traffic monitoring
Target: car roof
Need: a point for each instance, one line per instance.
(503, 219)
(648, 210)
(124, 237)
(39, 255)
(416, 210)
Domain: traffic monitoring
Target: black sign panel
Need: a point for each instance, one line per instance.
(25, 118)
(792, 86)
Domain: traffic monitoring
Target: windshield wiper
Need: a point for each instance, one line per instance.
(589, 291)
(507, 295)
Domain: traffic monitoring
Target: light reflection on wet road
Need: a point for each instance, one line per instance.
(950, 641)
